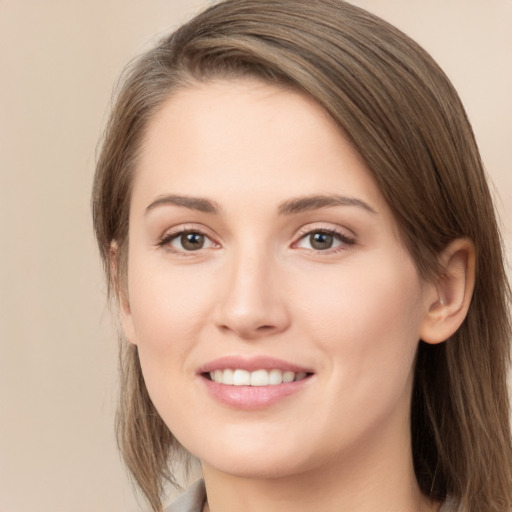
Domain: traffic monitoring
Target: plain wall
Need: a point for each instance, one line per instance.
(59, 60)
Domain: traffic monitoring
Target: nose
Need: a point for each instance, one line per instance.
(252, 302)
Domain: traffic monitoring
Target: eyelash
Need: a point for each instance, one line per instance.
(346, 241)
(168, 238)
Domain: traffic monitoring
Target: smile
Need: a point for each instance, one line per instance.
(239, 377)
(255, 382)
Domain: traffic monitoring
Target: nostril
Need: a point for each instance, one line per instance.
(243, 316)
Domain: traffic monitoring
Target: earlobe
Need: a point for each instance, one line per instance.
(450, 297)
(118, 284)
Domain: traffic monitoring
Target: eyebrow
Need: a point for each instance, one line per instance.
(315, 202)
(288, 207)
(192, 203)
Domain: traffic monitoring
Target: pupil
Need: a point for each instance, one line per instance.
(321, 241)
(192, 241)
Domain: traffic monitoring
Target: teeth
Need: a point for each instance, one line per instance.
(239, 377)
(288, 376)
(275, 377)
(259, 378)
(227, 376)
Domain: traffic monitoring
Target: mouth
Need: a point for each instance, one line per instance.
(257, 378)
(253, 383)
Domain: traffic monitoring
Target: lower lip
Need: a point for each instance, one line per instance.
(253, 398)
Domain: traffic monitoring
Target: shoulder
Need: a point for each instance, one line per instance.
(190, 501)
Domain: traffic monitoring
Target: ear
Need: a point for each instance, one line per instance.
(120, 287)
(450, 295)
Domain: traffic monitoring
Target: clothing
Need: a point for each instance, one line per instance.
(190, 501)
(194, 498)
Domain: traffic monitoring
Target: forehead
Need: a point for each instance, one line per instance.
(248, 139)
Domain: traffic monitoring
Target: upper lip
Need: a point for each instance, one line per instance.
(251, 364)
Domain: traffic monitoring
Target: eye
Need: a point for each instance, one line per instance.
(187, 241)
(323, 240)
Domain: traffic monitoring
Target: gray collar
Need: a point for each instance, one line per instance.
(190, 501)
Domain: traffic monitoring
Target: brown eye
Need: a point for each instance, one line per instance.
(324, 240)
(321, 240)
(187, 241)
(191, 241)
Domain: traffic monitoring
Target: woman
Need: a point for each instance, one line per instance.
(293, 216)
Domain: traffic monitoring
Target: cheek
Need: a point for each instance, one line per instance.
(169, 310)
(368, 320)
(366, 323)
(363, 295)
(169, 306)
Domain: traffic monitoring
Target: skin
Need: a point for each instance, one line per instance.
(352, 314)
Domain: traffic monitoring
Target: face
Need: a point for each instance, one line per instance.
(275, 310)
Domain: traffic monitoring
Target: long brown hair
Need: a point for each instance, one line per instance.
(406, 120)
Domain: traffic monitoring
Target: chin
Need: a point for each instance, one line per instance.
(273, 460)
(260, 469)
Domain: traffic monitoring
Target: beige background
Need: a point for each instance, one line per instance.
(58, 62)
